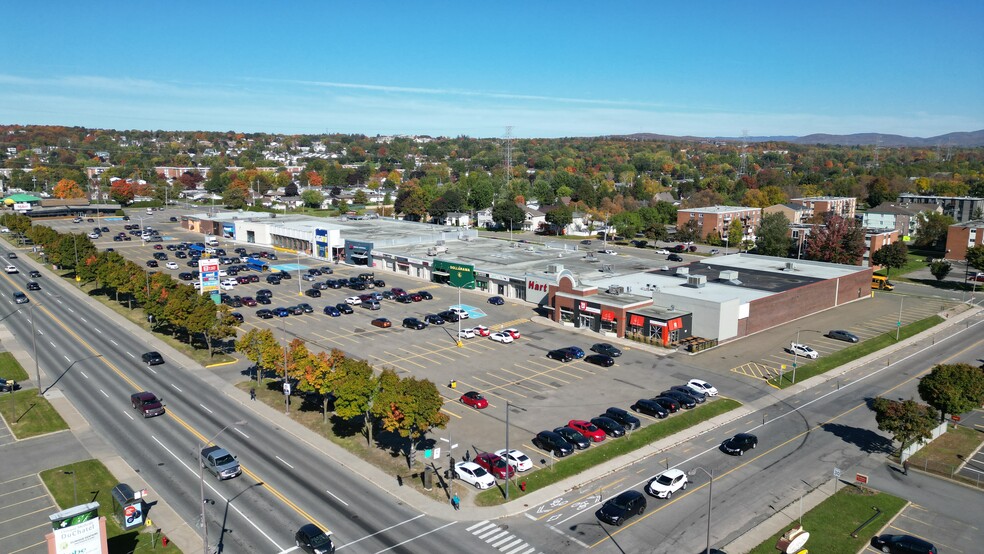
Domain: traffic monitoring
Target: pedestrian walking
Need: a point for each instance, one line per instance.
(467, 455)
(455, 501)
(252, 393)
(905, 467)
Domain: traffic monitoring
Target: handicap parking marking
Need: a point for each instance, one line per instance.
(472, 311)
(288, 267)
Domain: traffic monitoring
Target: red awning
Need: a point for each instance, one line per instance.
(607, 315)
(636, 321)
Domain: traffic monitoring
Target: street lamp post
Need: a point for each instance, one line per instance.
(898, 326)
(458, 342)
(201, 480)
(75, 485)
(286, 378)
(34, 340)
(299, 293)
(451, 474)
(710, 496)
(794, 351)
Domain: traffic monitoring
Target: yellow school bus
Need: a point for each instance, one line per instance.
(879, 282)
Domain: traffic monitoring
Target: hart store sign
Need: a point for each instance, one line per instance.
(536, 289)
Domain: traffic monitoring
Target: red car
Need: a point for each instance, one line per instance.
(514, 333)
(158, 247)
(416, 297)
(248, 301)
(481, 331)
(495, 465)
(474, 399)
(588, 429)
(397, 291)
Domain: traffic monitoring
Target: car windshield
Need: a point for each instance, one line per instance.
(619, 502)
(320, 540)
(664, 480)
(150, 400)
(479, 472)
(227, 459)
(591, 428)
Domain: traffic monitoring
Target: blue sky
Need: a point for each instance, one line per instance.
(548, 69)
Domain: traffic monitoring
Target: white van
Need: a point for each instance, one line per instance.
(150, 211)
(211, 241)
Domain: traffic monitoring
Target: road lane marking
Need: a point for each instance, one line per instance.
(83, 374)
(236, 429)
(175, 387)
(202, 406)
(417, 537)
(285, 463)
(104, 393)
(131, 355)
(127, 414)
(338, 499)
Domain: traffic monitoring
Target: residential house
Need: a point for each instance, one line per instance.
(875, 240)
(901, 217)
(533, 219)
(457, 219)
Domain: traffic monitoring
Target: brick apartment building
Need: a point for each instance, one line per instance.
(875, 240)
(961, 236)
(717, 219)
(961, 208)
(817, 205)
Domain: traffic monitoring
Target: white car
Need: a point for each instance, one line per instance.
(223, 273)
(231, 282)
(802, 350)
(226, 286)
(610, 252)
(466, 334)
(516, 458)
(462, 314)
(662, 251)
(6, 230)
(702, 386)
(474, 475)
(481, 331)
(353, 300)
(501, 337)
(94, 236)
(171, 265)
(667, 483)
(11, 269)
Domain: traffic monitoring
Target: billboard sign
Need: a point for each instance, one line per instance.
(208, 276)
(133, 515)
(74, 515)
(84, 538)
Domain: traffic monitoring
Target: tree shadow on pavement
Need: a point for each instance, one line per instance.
(865, 439)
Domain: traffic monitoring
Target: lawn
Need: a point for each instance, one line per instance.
(10, 368)
(575, 464)
(914, 260)
(946, 453)
(854, 352)
(30, 415)
(831, 523)
(92, 482)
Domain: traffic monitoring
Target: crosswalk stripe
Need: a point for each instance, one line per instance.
(510, 545)
(484, 525)
(497, 544)
(487, 533)
(517, 549)
(496, 537)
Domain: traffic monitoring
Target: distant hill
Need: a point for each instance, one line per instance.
(961, 139)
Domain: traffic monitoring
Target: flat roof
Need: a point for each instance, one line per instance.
(719, 209)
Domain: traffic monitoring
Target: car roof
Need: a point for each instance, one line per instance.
(672, 473)
(468, 465)
(310, 530)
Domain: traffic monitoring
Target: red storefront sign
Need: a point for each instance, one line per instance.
(636, 320)
(607, 315)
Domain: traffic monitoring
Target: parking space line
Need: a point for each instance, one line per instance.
(531, 378)
(492, 386)
(546, 373)
(402, 358)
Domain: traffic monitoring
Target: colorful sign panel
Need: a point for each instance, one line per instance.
(84, 538)
(133, 515)
(208, 277)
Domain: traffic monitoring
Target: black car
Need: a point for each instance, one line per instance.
(234, 302)
(283, 275)
(675, 258)
(311, 539)
(344, 308)
(34, 274)
(237, 316)
(667, 403)
(334, 283)
(313, 293)
(574, 437)
(185, 276)
(414, 323)
(426, 295)
(840, 334)
(561, 355)
(379, 283)
(152, 358)
(296, 310)
(698, 396)
(738, 444)
(650, 408)
(433, 319)
(622, 507)
(267, 293)
(332, 311)
(552, 442)
(685, 400)
(273, 279)
(33, 286)
(448, 315)
(624, 418)
(265, 300)
(598, 359)
(611, 427)
(152, 263)
(314, 271)
(264, 313)
(606, 349)
(496, 301)
(405, 299)
(902, 544)
(319, 286)
(307, 308)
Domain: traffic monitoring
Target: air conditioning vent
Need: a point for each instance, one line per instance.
(790, 266)
(696, 281)
(682, 271)
(615, 290)
(728, 275)
(555, 268)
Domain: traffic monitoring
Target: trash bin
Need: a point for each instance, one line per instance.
(428, 478)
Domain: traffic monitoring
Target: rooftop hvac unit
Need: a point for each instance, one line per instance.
(615, 290)
(790, 266)
(683, 271)
(696, 281)
(555, 268)
(728, 275)
(607, 268)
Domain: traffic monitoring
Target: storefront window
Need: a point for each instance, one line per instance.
(566, 315)
(609, 326)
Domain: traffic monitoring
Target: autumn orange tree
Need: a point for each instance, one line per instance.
(67, 188)
(122, 191)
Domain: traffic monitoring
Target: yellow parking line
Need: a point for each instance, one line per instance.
(532, 378)
(547, 373)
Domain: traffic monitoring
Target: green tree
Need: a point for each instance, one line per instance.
(234, 198)
(953, 388)
(312, 198)
(508, 213)
(356, 386)
(975, 257)
(411, 201)
(772, 237)
(735, 233)
(410, 408)
(627, 224)
(688, 232)
(940, 269)
(894, 255)
(907, 420)
(360, 198)
(931, 229)
(560, 217)
(261, 347)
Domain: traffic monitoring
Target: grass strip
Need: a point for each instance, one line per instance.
(30, 415)
(613, 448)
(854, 352)
(92, 482)
(831, 523)
(10, 368)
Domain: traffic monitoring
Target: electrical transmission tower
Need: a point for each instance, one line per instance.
(508, 141)
(743, 166)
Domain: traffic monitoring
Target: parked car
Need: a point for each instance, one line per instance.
(414, 323)
(308, 309)
(481, 331)
(702, 386)
(264, 313)
(466, 334)
(669, 404)
(840, 334)
(802, 350)
(433, 319)
(516, 458)
(495, 465)
(552, 442)
(611, 427)
(587, 429)
(512, 332)
(675, 258)
(623, 418)
(739, 444)
(474, 475)
(627, 504)
(382, 322)
(573, 436)
(685, 400)
(598, 359)
(501, 337)
(606, 349)
(496, 301)
(344, 308)
(698, 396)
(237, 316)
(474, 399)
(667, 483)
(425, 295)
(449, 316)
(650, 408)
(902, 544)
(311, 539)
(561, 355)
(353, 300)
(332, 311)
(574, 350)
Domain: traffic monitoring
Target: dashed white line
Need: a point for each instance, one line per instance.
(71, 310)
(114, 342)
(204, 408)
(152, 370)
(127, 414)
(83, 320)
(96, 329)
(131, 355)
(241, 433)
(176, 388)
(84, 375)
(285, 463)
(337, 498)
(67, 359)
(104, 393)
(40, 331)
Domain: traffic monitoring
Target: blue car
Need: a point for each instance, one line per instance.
(575, 351)
(281, 312)
(496, 301)
(332, 311)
